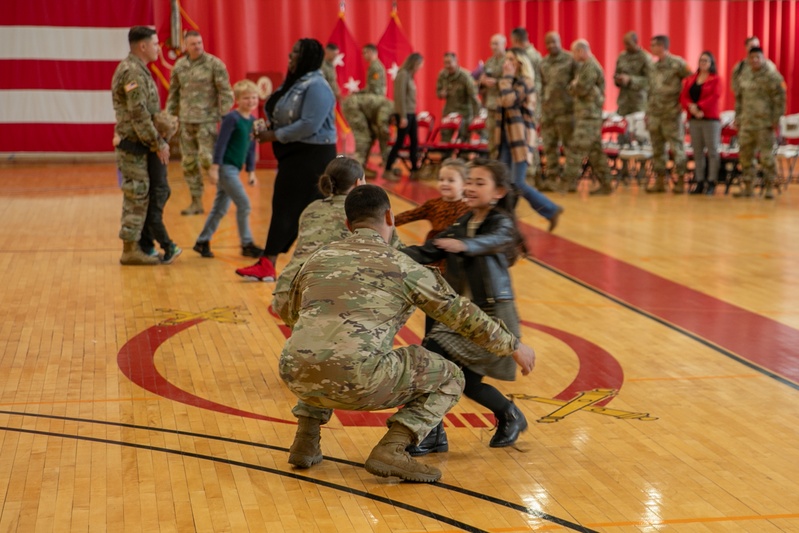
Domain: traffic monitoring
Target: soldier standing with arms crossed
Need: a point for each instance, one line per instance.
(758, 108)
(632, 79)
(199, 94)
(664, 114)
(557, 109)
(136, 100)
(588, 90)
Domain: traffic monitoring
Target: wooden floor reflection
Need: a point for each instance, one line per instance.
(665, 397)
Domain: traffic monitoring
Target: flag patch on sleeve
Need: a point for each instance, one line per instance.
(130, 86)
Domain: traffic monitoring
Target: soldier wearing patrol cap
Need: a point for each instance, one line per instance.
(346, 304)
(199, 94)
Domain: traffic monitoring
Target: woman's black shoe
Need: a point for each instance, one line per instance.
(434, 442)
(510, 424)
(700, 188)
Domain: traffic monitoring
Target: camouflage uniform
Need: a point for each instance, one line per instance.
(557, 112)
(664, 117)
(758, 108)
(460, 97)
(329, 72)
(632, 97)
(376, 78)
(199, 94)
(533, 168)
(492, 69)
(135, 98)
(368, 115)
(588, 90)
(346, 305)
(742, 67)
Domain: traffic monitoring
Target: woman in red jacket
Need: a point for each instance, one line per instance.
(700, 99)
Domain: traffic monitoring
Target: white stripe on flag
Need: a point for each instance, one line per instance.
(79, 44)
(57, 107)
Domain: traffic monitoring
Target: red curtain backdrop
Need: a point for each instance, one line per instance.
(256, 35)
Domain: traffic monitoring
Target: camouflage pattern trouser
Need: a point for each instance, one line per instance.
(197, 153)
(554, 132)
(424, 383)
(135, 190)
(357, 110)
(463, 132)
(586, 142)
(752, 141)
(662, 130)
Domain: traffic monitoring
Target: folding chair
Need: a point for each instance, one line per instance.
(788, 149)
(729, 170)
(436, 150)
(637, 153)
(475, 144)
(614, 128)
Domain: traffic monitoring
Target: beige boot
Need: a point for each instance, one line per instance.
(745, 192)
(133, 255)
(196, 207)
(659, 186)
(389, 458)
(305, 451)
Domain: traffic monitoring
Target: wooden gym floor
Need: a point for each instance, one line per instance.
(665, 397)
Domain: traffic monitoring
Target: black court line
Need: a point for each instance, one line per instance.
(687, 333)
(466, 492)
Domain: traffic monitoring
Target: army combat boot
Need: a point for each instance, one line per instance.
(659, 186)
(768, 191)
(305, 451)
(389, 458)
(133, 255)
(195, 208)
(746, 190)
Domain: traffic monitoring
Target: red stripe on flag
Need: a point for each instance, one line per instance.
(77, 13)
(51, 74)
(56, 137)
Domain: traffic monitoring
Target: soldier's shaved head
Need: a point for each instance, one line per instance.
(498, 43)
(552, 42)
(581, 50)
(630, 41)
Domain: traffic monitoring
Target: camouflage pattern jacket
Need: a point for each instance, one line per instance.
(665, 86)
(636, 65)
(199, 90)
(135, 98)
(588, 89)
(761, 99)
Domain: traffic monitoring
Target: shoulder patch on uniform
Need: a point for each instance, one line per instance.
(376, 75)
(130, 86)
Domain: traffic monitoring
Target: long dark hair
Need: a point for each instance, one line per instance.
(311, 55)
(507, 204)
(712, 68)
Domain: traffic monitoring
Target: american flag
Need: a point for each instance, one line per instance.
(57, 59)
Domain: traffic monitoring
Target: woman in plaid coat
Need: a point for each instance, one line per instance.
(515, 135)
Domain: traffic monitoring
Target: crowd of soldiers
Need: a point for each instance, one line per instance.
(570, 85)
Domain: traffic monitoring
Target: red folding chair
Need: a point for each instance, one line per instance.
(437, 150)
(475, 144)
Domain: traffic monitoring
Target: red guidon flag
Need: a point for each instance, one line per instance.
(349, 66)
(392, 49)
(57, 60)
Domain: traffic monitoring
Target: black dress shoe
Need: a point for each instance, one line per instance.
(510, 424)
(434, 442)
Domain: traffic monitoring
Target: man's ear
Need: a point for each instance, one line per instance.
(389, 217)
(349, 226)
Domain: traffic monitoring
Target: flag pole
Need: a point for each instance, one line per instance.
(341, 8)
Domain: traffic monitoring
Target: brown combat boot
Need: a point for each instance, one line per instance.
(679, 185)
(746, 191)
(659, 186)
(768, 191)
(389, 458)
(133, 255)
(196, 207)
(305, 451)
(604, 189)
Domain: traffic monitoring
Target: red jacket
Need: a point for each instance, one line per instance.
(708, 99)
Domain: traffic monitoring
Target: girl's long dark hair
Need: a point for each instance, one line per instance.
(311, 55)
(507, 204)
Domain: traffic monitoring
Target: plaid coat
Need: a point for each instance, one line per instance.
(516, 114)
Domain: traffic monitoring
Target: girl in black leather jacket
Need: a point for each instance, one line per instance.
(478, 249)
